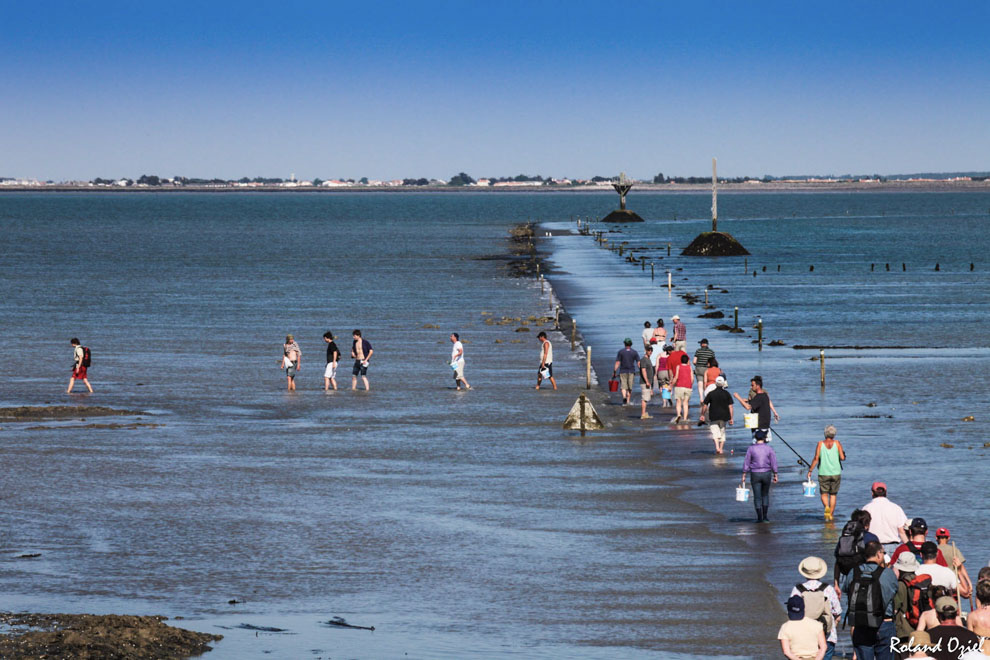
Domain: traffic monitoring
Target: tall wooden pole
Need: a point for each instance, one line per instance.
(714, 195)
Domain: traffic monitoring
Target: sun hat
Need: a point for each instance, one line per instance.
(945, 603)
(907, 563)
(813, 568)
(795, 608)
(920, 638)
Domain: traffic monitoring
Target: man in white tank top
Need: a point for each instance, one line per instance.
(546, 361)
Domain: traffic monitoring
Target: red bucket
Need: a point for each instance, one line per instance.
(613, 386)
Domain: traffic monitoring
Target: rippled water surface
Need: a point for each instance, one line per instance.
(458, 524)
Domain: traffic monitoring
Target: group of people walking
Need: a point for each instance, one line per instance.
(361, 352)
(904, 595)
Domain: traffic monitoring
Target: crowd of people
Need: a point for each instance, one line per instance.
(904, 595)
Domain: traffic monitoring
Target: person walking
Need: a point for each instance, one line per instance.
(682, 381)
(702, 357)
(80, 365)
(361, 351)
(333, 356)
(954, 558)
(660, 333)
(546, 361)
(647, 334)
(663, 376)
(680, 333)
(457, 361)
(801, 638)
(717, 409)
(889, 522)
(823, 596)
(759, 402)
(828, 458)
(291, 357)
(646, 376)
(626, 366)
(761, 465)
(871, 587)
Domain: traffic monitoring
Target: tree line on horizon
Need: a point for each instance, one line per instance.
(464, 179)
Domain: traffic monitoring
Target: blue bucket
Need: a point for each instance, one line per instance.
(810, 488)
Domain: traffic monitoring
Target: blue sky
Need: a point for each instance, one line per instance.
(496, 88)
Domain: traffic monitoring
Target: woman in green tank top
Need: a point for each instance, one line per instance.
(828, 457)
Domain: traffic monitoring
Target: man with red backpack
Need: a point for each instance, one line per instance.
(911, 599)
(80, 363)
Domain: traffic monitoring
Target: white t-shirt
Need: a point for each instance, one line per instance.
(887, 518)
(975, 654)
(647, 335)
(940, 575)
(458, 348)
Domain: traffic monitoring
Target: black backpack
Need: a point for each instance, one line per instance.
(865, 605)
(87, 359)
(849, 549)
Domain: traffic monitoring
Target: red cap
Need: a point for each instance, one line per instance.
(942, 531)
(878, 484)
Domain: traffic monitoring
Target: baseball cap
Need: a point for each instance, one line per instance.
(919, 523)
(720, 381)
(942, 531)
(627, 341)
(760, 434)
(703, 341)
(795, 607)
(675, 317)
(943, 604)
(877, 485)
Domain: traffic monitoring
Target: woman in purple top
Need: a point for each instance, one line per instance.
(761, 464)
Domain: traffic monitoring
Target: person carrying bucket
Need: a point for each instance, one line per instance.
(828, 457)
(760, 463)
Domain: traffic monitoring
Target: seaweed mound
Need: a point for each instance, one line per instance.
(623, 215)
(714, 244)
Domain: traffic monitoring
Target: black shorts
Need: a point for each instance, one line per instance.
(359, 369)
(549, 368)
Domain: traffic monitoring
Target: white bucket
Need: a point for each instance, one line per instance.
(742, 494)
(751, 420)
(810, 488)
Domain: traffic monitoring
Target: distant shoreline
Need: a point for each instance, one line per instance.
(666, 188)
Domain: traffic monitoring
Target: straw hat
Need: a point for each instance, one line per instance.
(813, 568)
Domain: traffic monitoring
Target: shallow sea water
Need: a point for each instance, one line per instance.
(458, 524)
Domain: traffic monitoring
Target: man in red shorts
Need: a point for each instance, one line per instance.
(78, 367)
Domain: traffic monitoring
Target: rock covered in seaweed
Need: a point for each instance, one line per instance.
(714, 244)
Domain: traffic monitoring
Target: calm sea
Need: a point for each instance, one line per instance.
(461, 524)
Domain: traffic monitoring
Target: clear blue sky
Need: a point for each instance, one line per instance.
(574, 88)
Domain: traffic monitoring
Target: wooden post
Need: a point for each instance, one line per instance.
(706, 297)
(556, 319)
(669, 284)
(736, 324)
(821, 358)
(587, 368)
(759, 333)
(537, 268)
(573, 333)
(642, 263)
(652, 273)
(668, 249)
(541, 284)
(621, 248)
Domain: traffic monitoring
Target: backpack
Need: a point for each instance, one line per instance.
(865, 604)
(816, 606)
(849, 549)
(86, 360)
(918, 600)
